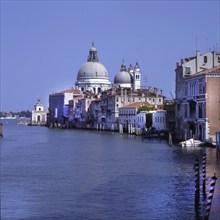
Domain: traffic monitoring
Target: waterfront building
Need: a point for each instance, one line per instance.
(79, 114)
(59, 106)
(129, 119)
(116, 98)
(169, 107)
(134, 120)
(159, 119)
(95, 114)
(197, 101)
(39, 115)
(74, 108)
(92, 75)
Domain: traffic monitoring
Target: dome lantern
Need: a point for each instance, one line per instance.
(93, 56)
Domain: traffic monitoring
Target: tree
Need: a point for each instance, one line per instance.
(146, 108)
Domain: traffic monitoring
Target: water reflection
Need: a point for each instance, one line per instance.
(70, 174)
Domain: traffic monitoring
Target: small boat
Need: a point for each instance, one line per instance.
(9, 117)
(191, 143)
(23, 123)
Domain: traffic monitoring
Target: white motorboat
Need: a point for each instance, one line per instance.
(191, 143)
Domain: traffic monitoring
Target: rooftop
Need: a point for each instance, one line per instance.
(215, 69)
(137, 105)
(150, 92)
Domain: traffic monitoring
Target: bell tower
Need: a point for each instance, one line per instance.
(39, 106)
(136, 77)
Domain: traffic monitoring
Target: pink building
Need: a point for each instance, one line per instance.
(198, 97)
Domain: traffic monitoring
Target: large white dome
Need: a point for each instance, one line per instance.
(92, 75)
(92, 70)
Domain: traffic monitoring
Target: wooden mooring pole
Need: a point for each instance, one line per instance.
(204, 174)
(170, 140)
(197, 191)
(210, 197)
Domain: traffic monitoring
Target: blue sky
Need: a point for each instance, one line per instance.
(44, 43)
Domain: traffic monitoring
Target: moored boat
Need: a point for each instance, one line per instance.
(191, 143)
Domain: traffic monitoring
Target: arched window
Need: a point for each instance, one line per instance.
(38, 118)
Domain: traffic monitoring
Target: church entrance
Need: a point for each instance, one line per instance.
(38, 118)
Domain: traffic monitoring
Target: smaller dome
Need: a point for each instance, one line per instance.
(123, 77)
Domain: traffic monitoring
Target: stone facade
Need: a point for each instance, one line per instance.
(197, 97)
(59, 105)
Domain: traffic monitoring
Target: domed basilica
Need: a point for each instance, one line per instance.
(93, 76)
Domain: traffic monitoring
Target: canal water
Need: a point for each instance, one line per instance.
(80, 174)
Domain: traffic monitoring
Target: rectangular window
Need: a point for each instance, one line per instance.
(188, 70)
(205, 59)
(200, 110)
(200, 88)
(203, 89)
